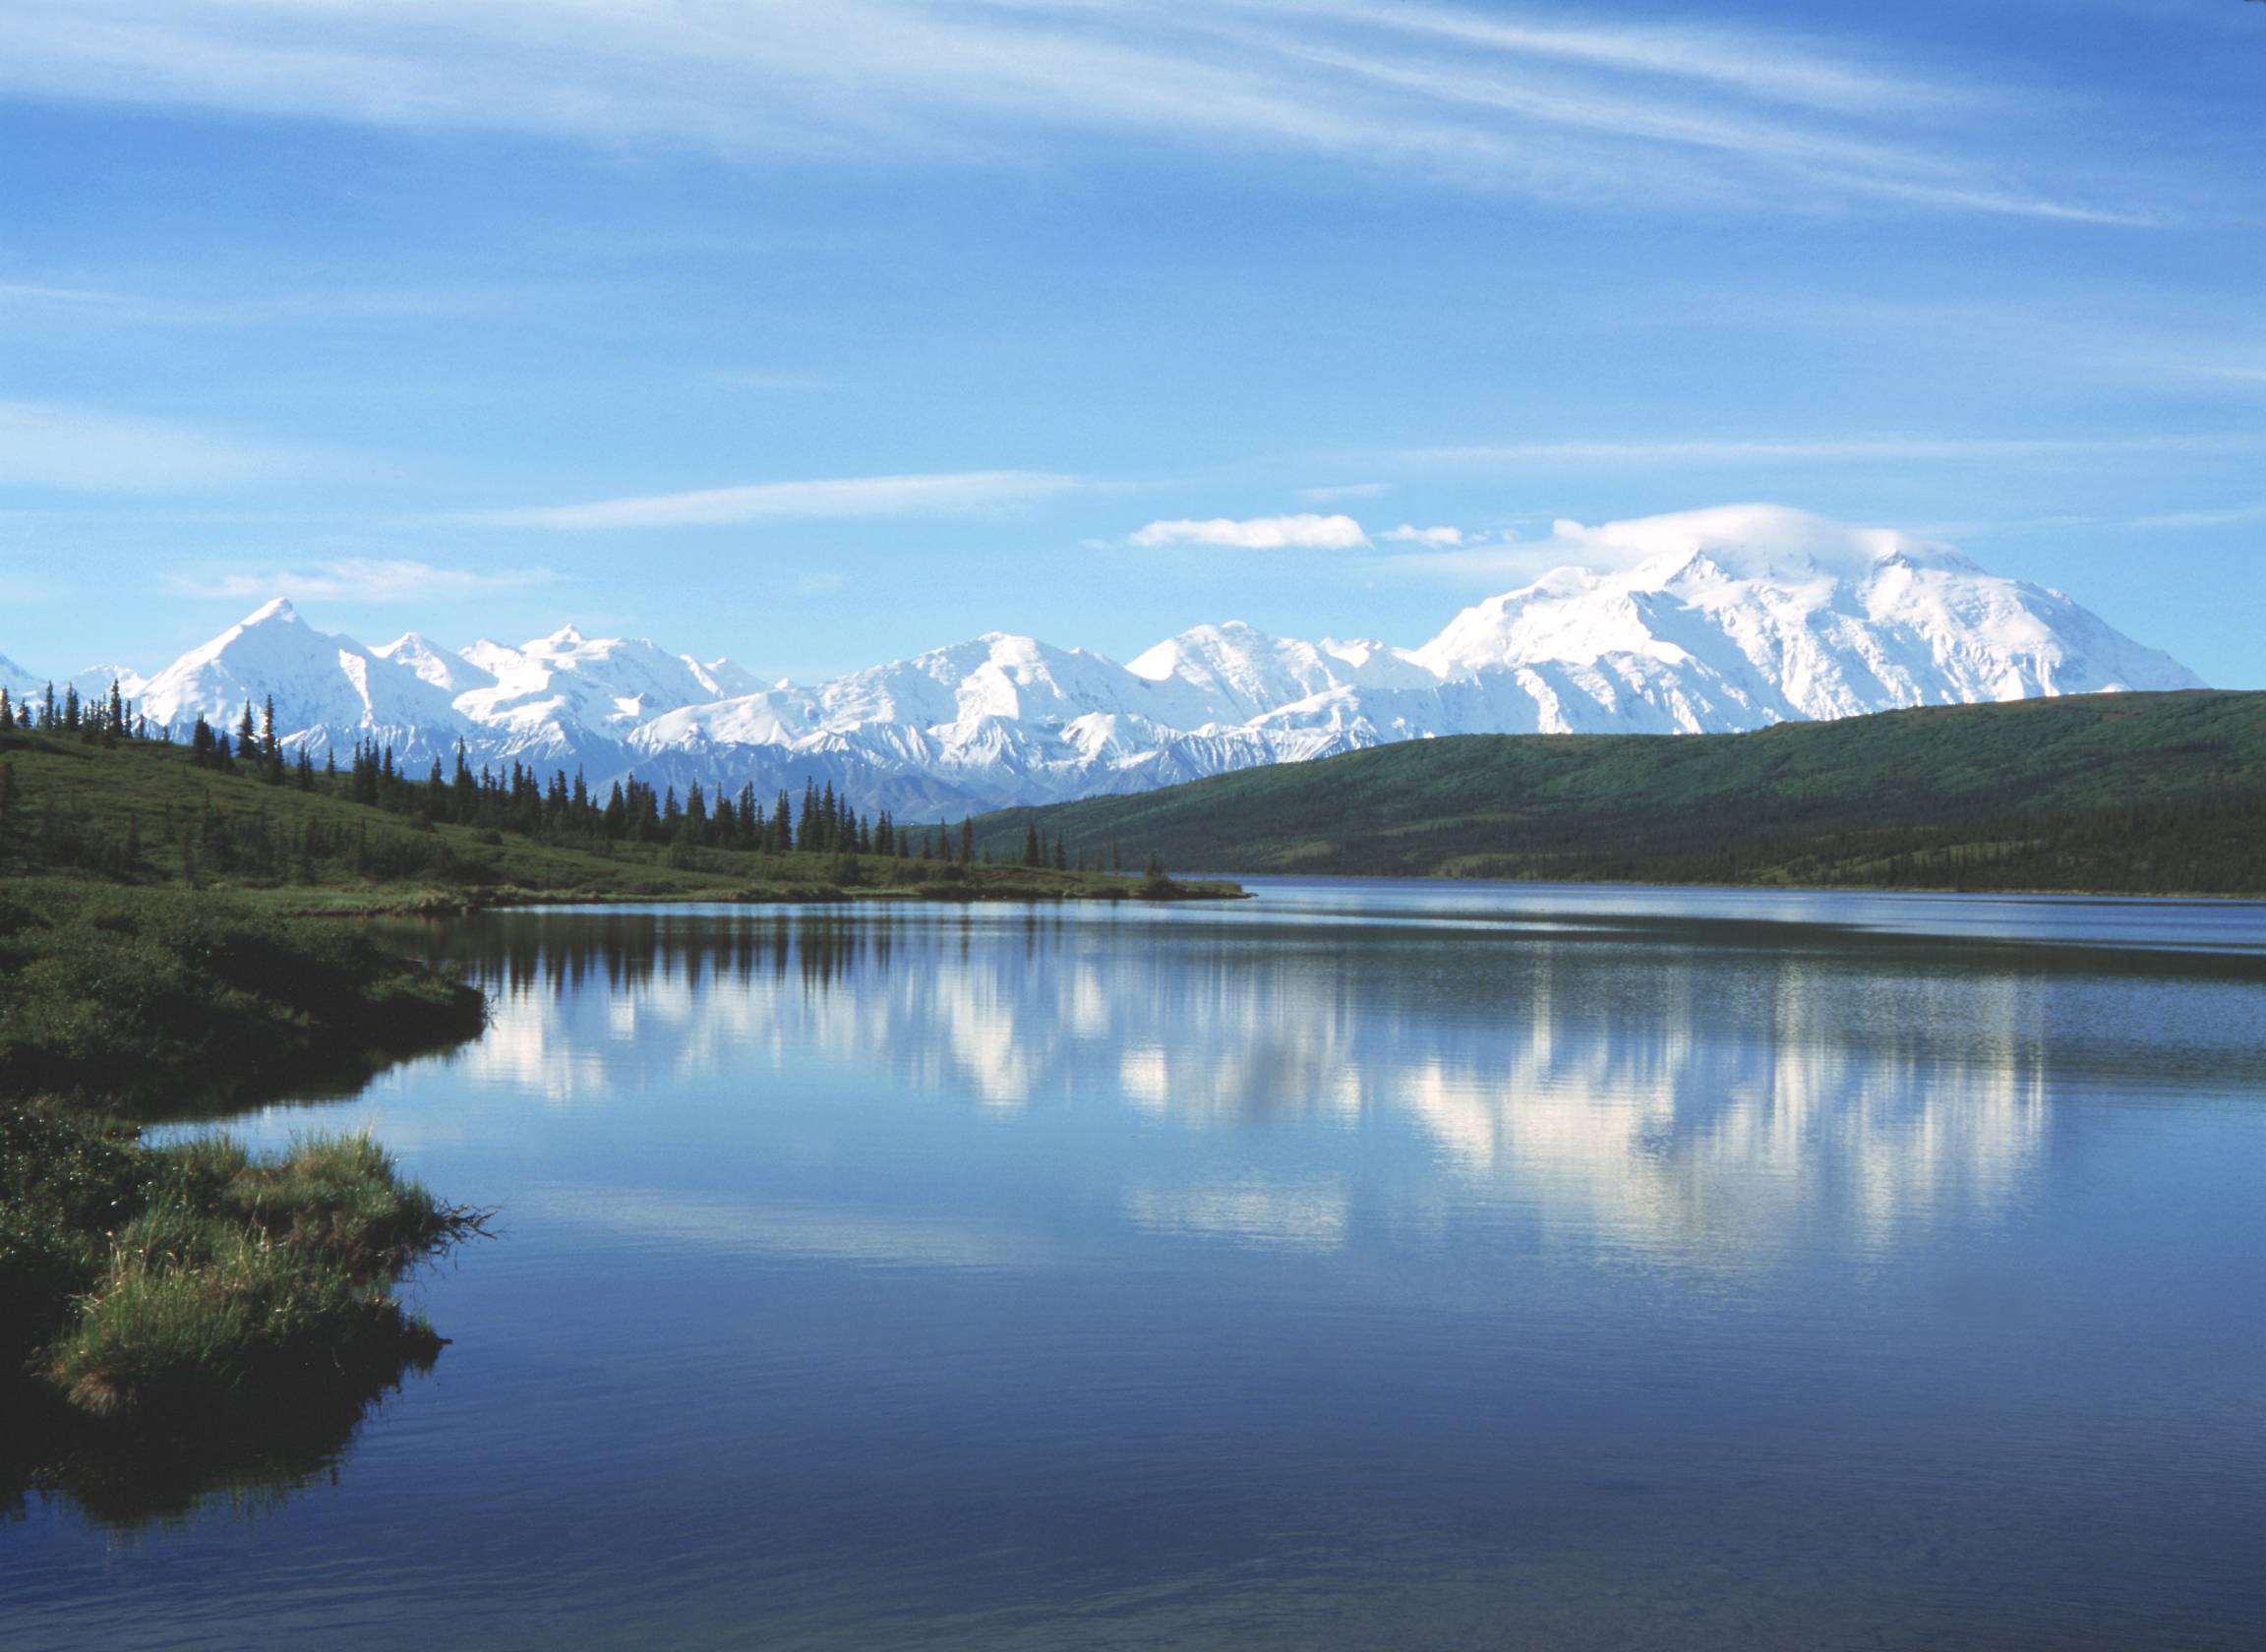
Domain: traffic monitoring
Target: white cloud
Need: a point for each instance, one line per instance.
(86, 449)
(1345, 491)
(358, 579)
(948, 493)
(1506, 559)
(1404, 534)
(821, 584)
(1305, 532)
(1620, 110)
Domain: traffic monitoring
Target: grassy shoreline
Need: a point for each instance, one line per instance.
(179, 1317)
(143, 1001)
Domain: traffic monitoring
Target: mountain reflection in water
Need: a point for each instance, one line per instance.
(1411, 1266)
(1622, 1069)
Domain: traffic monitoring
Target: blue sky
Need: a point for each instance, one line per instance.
(817, 333)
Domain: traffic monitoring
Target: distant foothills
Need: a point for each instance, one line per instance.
(2134, 793)
(1711, 621)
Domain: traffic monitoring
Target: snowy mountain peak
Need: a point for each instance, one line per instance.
(1717, 620)
(98, 679)
(329, 691)
(724, 679)
(451, 674)
(1745, 614)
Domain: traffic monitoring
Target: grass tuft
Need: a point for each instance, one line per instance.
(179, 1285)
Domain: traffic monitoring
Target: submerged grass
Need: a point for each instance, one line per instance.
(192, 1286)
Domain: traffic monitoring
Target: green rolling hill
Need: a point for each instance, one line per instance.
(2125, 793)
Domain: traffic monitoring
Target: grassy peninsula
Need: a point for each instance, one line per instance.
(178, 1315)
(2131, 794)
(191, 1286)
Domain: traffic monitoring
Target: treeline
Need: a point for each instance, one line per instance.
(102, 721)
(89, 789)
(564, 810)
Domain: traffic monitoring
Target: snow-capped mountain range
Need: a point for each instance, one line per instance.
(1709, 620)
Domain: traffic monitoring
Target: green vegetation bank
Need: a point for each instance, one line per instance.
(85, 792)
(2134, 793)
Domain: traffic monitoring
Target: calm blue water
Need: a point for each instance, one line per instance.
(1377, 1266)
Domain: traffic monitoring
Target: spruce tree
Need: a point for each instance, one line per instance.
(968, 840)
(1032, 854)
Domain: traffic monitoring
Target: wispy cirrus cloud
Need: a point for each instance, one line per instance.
(1344, 491)
(1703, 451)
(89, 450)
(954, 492)
(364, 579)
(1515, 98)
(54, 302)
(2227, 517)
(1305, 532)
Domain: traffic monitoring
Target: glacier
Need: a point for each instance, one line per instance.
(1709, 621)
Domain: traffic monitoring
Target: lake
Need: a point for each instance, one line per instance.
(1366, 1265)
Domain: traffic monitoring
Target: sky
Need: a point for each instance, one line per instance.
(816, 332)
